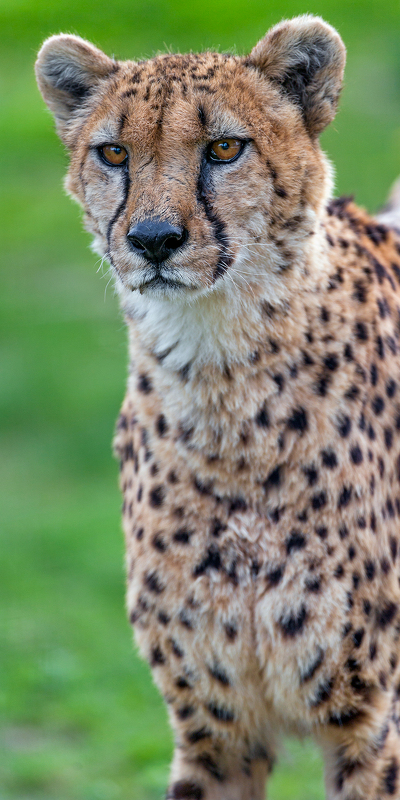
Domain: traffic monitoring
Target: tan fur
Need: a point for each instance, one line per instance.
(259, 438)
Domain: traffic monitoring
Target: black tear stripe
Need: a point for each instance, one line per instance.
(225, 260)
(113, 220)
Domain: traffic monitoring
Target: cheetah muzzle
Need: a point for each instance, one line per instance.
(259, 439)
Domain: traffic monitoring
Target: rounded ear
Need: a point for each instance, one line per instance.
(305, 58)
(68, 69)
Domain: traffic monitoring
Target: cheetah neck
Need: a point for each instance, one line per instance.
(220, 330)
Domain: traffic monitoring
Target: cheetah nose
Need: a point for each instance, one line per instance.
(156, 239)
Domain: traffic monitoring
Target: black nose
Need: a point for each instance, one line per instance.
(156, 239)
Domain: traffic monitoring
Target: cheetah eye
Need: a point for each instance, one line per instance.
(225, 149)
(113, 154)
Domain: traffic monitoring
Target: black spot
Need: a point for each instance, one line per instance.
(313, 585)
(182, 683)
(389, 778)
(231, 631)
(325, 314)
(369, 570)
(219, 674)
(367, 607)
(295, 541)
(385, 566)
(322, 385)
(198, 735)
(323, 693)
(184, 371)
(159, 543)
(352, 393)
(361, 331)
(163, 618)
(309, 673)
(185, 712)
(237, 504)
(393, 548)
(212, 560)
(154, 583)
(356, 454)
(329, 459)
(339, 571)
(182, 535)
(185, 790)
(294, 624)
(274, 479)
(275, 575)
(385, 614)
(358, 637)
(319, 500)
(345, 717)
(157, 657)
(344, 425)
(374, 374)
(391, 387)
(217, 527)
(312, 474)
(161, 425)
(322, 532)
(378, 404)
(203, 488)
(345, 496)
(279, 380)
(262, 418)
(156, 496)
(360, 291)
(356, 580)
(220, 712)
(380, 347)
(352, 665)
(348, 352)
(298, 420)
(388, 433)
(208, 763)
(331, 362)
(144, 384)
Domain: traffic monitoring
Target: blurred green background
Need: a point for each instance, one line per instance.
(81, 719)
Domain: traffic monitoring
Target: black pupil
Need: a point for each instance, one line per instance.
(224, 145)
(117, 150)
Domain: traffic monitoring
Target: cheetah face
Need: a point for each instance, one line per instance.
(196, 171)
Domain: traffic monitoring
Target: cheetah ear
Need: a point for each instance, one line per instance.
(305, 58)
(68, 70)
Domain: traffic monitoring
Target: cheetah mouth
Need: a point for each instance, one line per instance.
(163, 283)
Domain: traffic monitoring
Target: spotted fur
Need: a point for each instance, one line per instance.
(259, 439)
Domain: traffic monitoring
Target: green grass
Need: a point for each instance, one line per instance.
(81, 719)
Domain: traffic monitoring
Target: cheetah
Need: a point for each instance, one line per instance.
(259, 439)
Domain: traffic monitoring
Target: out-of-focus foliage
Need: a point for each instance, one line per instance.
(81, 719)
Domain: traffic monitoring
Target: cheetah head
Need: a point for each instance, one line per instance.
(198, 172)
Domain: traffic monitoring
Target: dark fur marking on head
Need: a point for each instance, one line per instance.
(218, 226)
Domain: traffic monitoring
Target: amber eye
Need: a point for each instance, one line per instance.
(225, 149)
(113, 154)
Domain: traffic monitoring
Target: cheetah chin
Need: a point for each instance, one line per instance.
(259, 438)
